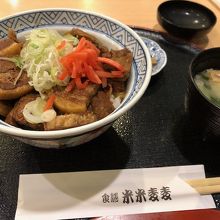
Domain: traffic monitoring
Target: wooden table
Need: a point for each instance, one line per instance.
(131, 12)
(16, 158)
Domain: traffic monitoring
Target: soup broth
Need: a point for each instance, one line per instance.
(208, 82)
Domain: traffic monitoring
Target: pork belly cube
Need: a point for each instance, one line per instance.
(75, 101)
(69, 121)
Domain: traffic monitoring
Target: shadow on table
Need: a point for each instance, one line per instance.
(103, 153)
(108, 151)
(66, 191)
(201, 42)
(194, 148)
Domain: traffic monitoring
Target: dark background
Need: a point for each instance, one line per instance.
(156, 132)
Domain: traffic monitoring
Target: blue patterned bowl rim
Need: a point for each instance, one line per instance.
(117, 31)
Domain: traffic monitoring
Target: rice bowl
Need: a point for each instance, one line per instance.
(113, 33)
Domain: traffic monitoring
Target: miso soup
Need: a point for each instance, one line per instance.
(208, 82)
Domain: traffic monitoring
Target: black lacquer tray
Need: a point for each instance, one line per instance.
(156, 132)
